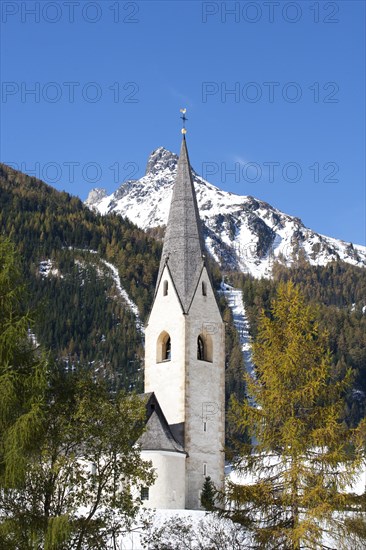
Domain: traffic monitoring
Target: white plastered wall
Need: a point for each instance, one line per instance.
(189, 390)
(168, 491)
(167, 378)
(205, 396)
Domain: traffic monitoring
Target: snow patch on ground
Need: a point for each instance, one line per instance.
(358, 487)
(33, 338)
(46, 269)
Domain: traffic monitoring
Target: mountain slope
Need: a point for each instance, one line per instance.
(78, 265)
(84, 274)
(241, 232)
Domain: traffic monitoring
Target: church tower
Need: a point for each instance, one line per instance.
(185, 348)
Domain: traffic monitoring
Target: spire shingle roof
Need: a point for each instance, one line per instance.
(183, 250)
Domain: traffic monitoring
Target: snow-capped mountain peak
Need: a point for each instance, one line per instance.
(241, 232)
(160, 160)
(95, 196)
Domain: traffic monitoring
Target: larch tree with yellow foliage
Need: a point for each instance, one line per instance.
(302, 456)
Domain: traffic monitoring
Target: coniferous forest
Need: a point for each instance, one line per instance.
(338, 291)
(80, 317)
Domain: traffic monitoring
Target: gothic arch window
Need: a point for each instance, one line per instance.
(163, 348)
(204, 348)
(167, 351)
(165, 288)
(200, 349)
(204, 289)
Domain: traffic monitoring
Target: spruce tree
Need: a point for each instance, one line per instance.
(208, 494)
(302, 456)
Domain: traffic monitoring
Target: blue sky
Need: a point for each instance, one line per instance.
(109, 78)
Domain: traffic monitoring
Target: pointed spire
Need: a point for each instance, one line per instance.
(183, 250)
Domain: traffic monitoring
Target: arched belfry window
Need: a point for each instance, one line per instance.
(200, 349)
(163, 348)
(204, 348)
(165, 288)
(167, 351)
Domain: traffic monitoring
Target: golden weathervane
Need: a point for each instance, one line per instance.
(184, 118)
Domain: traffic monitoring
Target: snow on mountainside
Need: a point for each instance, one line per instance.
(241, 232)
(47, 269)
(234, 298)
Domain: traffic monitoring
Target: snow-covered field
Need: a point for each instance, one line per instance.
(133, 540)
(196, 530)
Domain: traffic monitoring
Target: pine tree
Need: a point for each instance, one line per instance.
(302, 456)
(208, 494)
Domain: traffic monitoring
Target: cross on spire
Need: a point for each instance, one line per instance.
(184, 118)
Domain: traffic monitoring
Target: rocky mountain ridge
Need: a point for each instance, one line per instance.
(241, 232)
